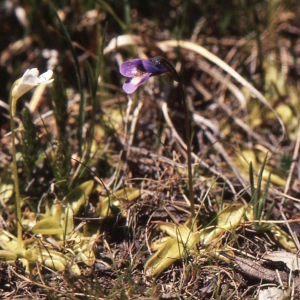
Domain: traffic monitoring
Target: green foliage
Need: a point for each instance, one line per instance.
(60, 108)
(285, 163)
(258, 200)
(77, 197)
(81, 115)
(30, 144)
(258, 197)
(61, 166)
(58, 224)
(108, 205)
(61, 157)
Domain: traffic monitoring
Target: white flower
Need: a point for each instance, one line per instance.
(29, 80)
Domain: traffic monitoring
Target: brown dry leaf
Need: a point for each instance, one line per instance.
(254, 269)
(291, 260)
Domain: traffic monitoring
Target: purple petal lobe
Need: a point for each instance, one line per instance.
(138, 66)
(129, 88)
(132, 68)
(132, 84)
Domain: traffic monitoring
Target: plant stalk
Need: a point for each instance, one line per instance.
(176, 77)
(15, 168)
(188, 150)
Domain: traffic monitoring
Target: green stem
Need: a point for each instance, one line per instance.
(12, 104)
(176, 77)
(188, 150)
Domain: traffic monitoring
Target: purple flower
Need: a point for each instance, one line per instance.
(139, 70)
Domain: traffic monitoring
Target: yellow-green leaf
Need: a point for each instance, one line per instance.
(8, 255)
(47, 226)
(116, 199)
(77, 197)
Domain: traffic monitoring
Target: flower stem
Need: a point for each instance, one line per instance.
(188, 144)
(177, 78)
(12, 103)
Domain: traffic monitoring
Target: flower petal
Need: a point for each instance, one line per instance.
(132, 84)
(30, 80)
(32, 72)
(138, 66)
(132, 68)
(45, 77)
(150, 67)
